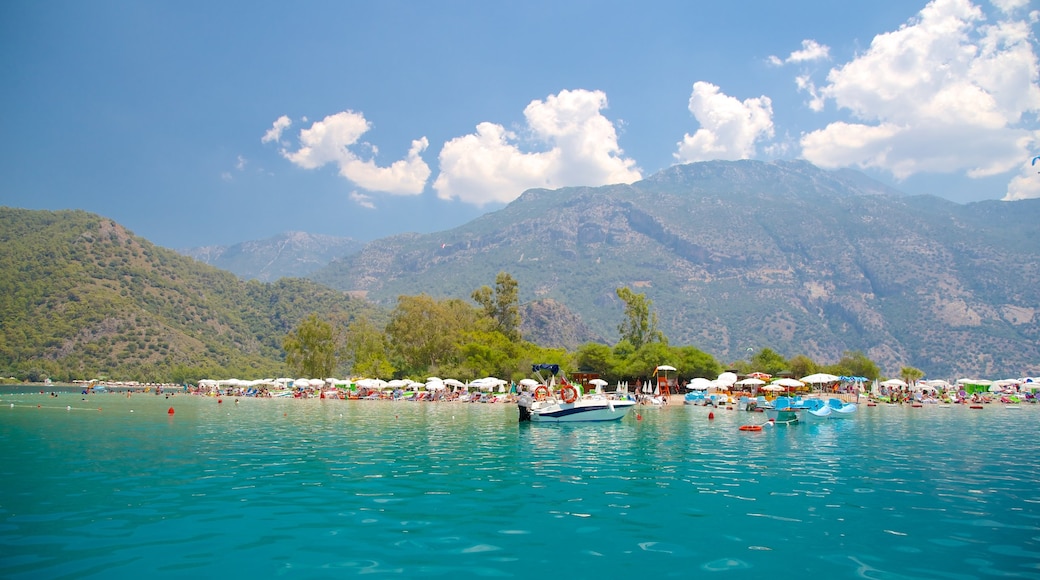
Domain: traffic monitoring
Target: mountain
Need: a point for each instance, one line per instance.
(82, 297)
(739, 256)
(287, 255)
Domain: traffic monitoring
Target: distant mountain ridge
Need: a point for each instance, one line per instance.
(746, 255)
(286, 255)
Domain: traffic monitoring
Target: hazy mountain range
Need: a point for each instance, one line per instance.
(286, 255)
(739, 256)
(736, 257)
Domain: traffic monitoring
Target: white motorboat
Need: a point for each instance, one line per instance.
(569, 404)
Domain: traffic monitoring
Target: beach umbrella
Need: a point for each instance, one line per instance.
(751, 381)
(699, 384)
(664, 368)
(819, 378)
(726, 378)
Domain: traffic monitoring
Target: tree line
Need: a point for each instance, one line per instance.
(454, 338)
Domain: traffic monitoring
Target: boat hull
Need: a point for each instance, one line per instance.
(581, 411)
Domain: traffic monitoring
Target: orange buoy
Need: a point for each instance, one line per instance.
(750, 427)
(220, 401)
(711, 415)
(170, 412)
(975, 407)
(639, 417)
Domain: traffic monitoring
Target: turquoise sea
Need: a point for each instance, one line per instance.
(110, 486)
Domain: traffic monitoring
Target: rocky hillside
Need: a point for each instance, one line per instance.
(746, 255)
(288, 255)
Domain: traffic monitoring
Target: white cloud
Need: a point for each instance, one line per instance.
(362, 200)
(946, 92)
(275, 132)
(330, 141)
(811, 50)
(1025, 185)
(729, 127)
(577, 146)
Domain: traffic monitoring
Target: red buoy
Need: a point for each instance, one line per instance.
(220, 401)
(170, 412)
(711, 415)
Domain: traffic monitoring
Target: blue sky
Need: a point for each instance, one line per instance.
(203, 123)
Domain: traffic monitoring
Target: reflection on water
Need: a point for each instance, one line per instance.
(324, 487)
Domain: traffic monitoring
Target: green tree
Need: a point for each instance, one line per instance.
(597, 357)
(502, 304)
(639, 326)
(910, 374)
(768, 361)
(802, 366)
(367, 350)
(693, 362)
(310, 349)
(425, 334)
(855, 363)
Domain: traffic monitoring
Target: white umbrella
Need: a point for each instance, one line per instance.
(751, 381)
(893, 383)
(699, 384)
(453, 382)
(772, 388)
(726, 379)
(528, 383)
(598, 382)
(819, 378)
(665, 368)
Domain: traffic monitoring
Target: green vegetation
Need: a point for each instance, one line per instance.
(310, 349)
(639, 326)
(83, 298)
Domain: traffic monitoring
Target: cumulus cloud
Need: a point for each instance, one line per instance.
(330, 141)
(946, 92)
(574, 144)
(811, 50)
(275, 132)
(729, 127)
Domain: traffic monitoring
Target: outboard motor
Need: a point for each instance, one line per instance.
(524, 405)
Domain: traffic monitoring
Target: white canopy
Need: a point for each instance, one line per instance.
(818, 378)
(699, 384)
(726, 379)
(751, 381)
